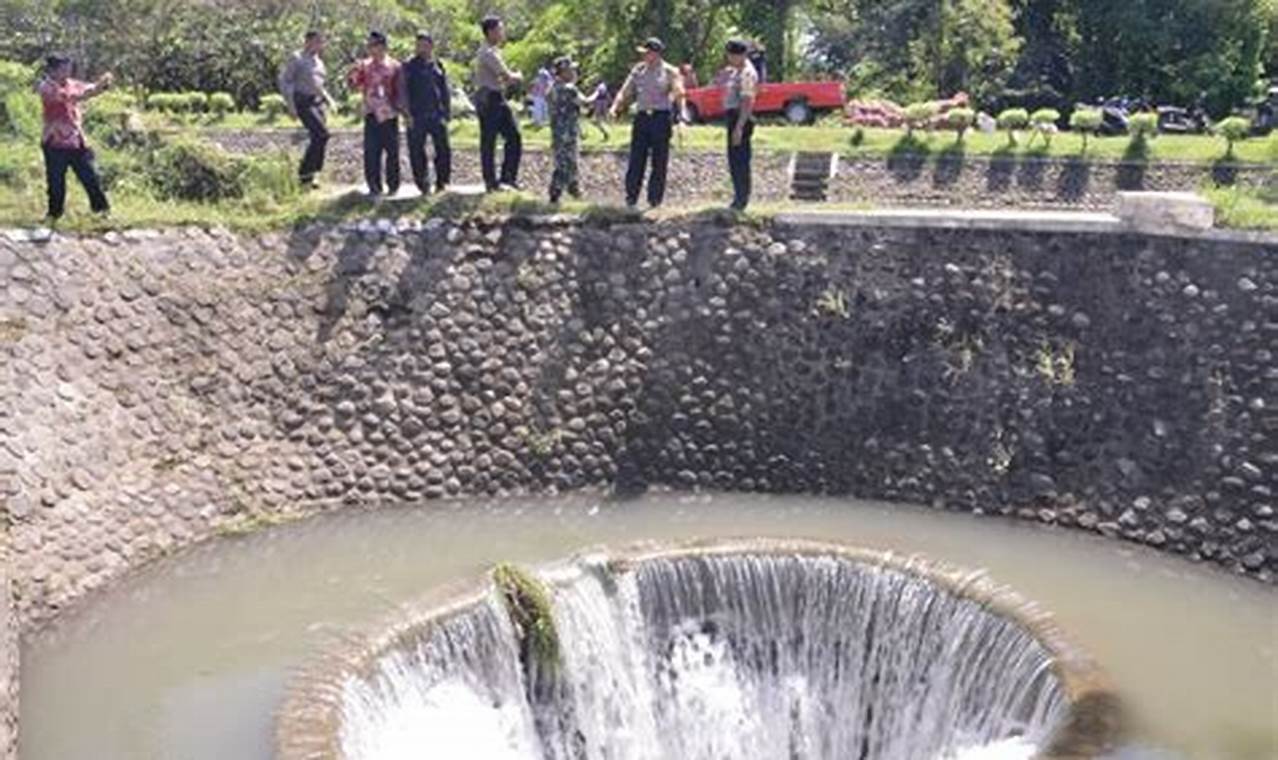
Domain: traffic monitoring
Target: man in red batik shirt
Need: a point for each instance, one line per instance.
(63, 141)
(377, 79)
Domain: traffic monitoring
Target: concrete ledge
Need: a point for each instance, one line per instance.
(1029, 221)
(1017, 221)
(1159, 211)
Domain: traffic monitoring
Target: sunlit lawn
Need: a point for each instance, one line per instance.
(832, 137)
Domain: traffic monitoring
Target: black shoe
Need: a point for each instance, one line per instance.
(574, 191)
(442, 187)
(510, 187)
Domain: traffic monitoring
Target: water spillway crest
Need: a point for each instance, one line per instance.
(741, 650)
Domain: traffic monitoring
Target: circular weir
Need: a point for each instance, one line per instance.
(737, 649)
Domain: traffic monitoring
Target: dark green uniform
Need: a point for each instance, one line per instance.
(565, 138)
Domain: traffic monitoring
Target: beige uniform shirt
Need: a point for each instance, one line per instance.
(491, 72)
(742, 83)
(304, 74)
(654, 88)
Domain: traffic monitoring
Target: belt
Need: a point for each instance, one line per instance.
(652, 111)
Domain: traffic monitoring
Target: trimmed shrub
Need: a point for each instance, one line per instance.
(960, 120)
(1086, 121)
(165, 102)
(917, 115)
(1011, 120)
(192, 170)
(1143, 126)
(196, 102)
(221, 103)
(272, 105)
(1044, 122)
(1045, 116)
(1233, 129)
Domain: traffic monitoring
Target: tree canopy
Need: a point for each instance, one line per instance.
(1002, 52)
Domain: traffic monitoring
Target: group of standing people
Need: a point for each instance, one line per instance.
(416, 89)
(419, 91)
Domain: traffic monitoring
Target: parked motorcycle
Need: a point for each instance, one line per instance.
(1264, 115)
(1183, 121)
(1116, 113)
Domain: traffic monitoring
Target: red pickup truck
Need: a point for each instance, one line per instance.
(799, 102)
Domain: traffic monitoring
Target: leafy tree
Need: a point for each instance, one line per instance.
(914, 49)
(1171, 50)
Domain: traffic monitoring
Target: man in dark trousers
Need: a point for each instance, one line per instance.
(302, 83)
(63, 140)
(426, 96)
(657, 89)
(738, 102)
(376, 78)
(492, 79)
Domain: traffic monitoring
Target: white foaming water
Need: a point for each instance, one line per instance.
(1008, 749)
(458, 692)
(717, 657)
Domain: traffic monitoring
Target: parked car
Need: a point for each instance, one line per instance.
(798, 102)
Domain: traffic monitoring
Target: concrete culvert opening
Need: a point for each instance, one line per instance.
(738, 649)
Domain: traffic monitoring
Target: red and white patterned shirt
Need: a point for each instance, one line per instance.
(62, 119)
(379, 84)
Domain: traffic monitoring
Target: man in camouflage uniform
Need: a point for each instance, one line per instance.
(657, 89)
(566, 102)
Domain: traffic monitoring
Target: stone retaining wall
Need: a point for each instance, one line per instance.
(944, 180)
(161, 387)
(8, 664)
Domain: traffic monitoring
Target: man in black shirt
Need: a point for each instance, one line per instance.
(426, 94)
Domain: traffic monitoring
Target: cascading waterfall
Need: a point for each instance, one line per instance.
(808, 658)
(715, 655)
(457, 690)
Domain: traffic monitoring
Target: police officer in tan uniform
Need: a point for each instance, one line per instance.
(738, 102)
(657, 89)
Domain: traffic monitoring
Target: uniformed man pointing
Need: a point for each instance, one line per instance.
(657, 89)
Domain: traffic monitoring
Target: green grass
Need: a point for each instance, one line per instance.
(1245, 208)
(826, 137)
(271, 200)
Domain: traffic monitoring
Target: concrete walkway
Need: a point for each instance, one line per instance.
(1047, 221)
(1012, 220)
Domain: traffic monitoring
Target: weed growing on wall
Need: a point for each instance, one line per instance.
(528, 604)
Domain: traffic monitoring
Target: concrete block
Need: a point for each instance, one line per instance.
(1161, 212)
